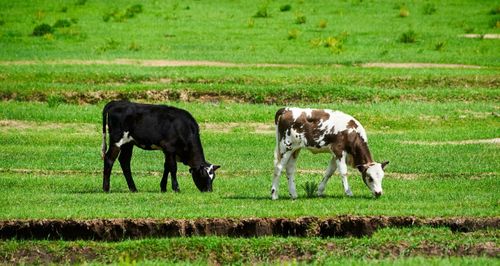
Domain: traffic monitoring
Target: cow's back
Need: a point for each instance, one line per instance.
(150, 123)
(313, 128)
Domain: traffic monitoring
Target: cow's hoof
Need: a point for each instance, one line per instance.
(163, 190)
(348, 193)
(177, 190)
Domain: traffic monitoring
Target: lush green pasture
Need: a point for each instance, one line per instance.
(436, 126)
(312, 32)
(50, 160)
(385, 247)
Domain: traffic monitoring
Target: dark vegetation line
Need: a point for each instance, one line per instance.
(120, 229)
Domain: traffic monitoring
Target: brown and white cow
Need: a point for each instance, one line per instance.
(322, 130)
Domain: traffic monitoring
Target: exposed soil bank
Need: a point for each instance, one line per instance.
(119, 229)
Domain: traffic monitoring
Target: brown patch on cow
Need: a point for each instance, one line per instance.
(353, 144)
(284, 121)
(337, 144)
(352, 124)
(306, 124)
(318, 115)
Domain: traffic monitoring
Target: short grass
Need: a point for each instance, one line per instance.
(53, 156)
(355, 31)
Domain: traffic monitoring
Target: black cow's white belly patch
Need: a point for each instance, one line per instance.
(124, 140)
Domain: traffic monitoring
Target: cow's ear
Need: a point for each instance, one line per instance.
(216, 167)
(384, 164)
(361, 167)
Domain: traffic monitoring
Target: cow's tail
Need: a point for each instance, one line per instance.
(104, 124)
(278, 114)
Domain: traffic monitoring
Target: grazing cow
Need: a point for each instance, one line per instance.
(322, 130)
(154, 127)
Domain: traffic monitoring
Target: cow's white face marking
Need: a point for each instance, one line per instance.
(124, 140)
(374, 176)
(210, 171)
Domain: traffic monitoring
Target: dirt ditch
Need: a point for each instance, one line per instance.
(119, 229)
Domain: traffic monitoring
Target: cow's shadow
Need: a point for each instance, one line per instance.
(116, 191)
(300, 197)
(246, 197)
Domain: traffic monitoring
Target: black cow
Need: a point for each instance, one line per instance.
(154, 127)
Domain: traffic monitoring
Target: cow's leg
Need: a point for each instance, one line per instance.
(164, 179)
(109, 160)
(280, 160)
(170, 166)
(290, 173)
(342, 165)
(328, 173)
(124, 159)
(171, 163)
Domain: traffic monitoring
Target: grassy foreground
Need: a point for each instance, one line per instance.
(386, 247)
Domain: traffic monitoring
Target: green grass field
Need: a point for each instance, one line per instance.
(438, 127)
(343, 32)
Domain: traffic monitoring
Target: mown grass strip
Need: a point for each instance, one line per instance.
(284, 86)
(79, 195)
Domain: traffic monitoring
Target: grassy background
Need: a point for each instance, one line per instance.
(353, 31)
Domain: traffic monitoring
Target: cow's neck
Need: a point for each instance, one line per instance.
(360, 152)
(196, 157)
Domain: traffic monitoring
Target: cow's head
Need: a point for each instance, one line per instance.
(204, 176)
(373, 174)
